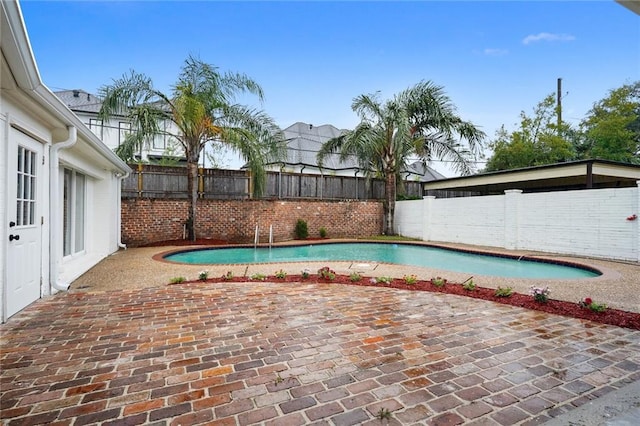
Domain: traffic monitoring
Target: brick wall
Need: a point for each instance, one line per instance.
(146, 221)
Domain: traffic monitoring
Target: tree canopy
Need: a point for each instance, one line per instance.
(419, 121)
(609, 131)
(535, 142)
(200, 110)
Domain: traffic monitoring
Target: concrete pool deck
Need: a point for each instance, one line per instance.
(618, 287)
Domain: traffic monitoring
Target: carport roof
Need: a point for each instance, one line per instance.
(583, 174)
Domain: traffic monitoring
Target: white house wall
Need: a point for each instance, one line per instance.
(591, 223)
(15, 117)
(101, 213)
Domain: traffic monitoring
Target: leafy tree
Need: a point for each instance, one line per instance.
(419, 121)
(200, 110)
(535, 143)
(611, 129)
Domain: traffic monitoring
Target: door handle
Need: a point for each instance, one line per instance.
(12, 224)
(14, 237)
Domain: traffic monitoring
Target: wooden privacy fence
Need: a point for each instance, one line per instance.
(165, 182)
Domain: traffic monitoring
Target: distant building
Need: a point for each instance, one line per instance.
(305, 140)
(113, 133)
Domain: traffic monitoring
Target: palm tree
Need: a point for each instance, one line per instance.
(201, 110)
(420, 121)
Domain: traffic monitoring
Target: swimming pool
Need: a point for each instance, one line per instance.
(398, 253)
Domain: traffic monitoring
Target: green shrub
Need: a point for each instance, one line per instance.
(410, 279)
(177, 280)
(323, 232)
(327, 273)
(504, 291)
(590, 304)
(258, 277)
(438, 281)
(354, 276)
(540, 294)
(469, 285)
(598, 307)
(302, 231)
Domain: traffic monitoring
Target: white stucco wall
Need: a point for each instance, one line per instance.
(587, 223)
(408, 222)
(101, 212)
(457, 219)
(16, 117)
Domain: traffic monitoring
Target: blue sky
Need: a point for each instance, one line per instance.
(494, 59)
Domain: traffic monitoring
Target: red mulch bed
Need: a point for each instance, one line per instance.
(609, 316)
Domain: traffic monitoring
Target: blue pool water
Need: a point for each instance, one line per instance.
(404, 254)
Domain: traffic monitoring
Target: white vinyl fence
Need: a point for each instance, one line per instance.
(591, 223)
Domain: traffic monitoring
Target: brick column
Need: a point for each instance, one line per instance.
(511, 218)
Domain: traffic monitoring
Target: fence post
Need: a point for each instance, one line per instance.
(250, 183)
(427, 209)
(140, 180)
(200, 182)
(511, 218)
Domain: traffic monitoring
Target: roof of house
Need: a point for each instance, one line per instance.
(79, 101)
(583, 174)
(305, 140)
(428, 174)
(632, 5)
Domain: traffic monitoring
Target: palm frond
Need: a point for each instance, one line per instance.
(254, 135)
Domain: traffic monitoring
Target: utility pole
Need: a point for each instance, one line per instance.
(559, 106)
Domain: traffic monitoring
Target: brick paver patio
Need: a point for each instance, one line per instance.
(294, 354)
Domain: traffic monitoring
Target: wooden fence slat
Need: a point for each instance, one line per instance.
(171, 182)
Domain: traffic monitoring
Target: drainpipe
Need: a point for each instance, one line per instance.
(54, 207)
(120, 178)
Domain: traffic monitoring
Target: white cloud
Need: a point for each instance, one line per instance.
(547, 37)
(495, 52)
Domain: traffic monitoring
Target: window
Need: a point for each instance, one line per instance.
(96, 126)
(73, 212)
(160, 140)
(124, 128)
(26, 188)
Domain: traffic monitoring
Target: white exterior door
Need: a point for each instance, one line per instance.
(24, 213)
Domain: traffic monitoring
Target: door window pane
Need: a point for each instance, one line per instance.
(26, 187)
